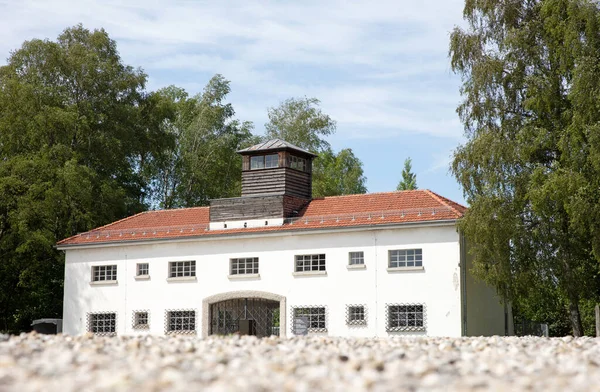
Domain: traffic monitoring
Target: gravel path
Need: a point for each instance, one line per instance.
(32, 362)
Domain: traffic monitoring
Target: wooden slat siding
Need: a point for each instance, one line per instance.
(267, 181)
(245, 208)
(298, 183)
(277, 181)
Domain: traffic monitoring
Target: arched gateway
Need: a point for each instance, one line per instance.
(246, 312)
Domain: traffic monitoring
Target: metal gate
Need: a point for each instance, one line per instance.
(252, 316)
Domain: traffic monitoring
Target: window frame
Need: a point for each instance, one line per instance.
(93, 323)
(179, 272)
(314, 311)
(356, 253)
(139, 269)
(350, 320)
(406, 323)
(321, 263)
(403, 256)
(264, 161)
(297, 163)
(102, 271)
(136, 319)
(190, 319)
(253, 268)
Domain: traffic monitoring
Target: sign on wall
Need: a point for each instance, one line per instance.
(301, 325)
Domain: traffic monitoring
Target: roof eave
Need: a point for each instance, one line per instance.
(257, 152)
(205, 237)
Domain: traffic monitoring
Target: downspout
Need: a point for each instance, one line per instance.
(463, 283)
(376, 288)
(125, 296)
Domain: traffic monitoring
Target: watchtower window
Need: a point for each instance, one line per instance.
(264, 162)
(297, 163)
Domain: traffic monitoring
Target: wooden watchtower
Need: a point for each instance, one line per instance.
(276, 184)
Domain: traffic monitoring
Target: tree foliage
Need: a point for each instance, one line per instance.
(409, 179)
(73, 142)
(82, 144)
(301, 122)
(203, 163)
(338, 174)
(530, 166)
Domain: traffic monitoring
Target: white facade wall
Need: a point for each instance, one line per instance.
(436, 286)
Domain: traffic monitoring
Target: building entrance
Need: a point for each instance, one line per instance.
(245, 316)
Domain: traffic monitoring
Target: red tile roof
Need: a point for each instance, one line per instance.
(329, 212)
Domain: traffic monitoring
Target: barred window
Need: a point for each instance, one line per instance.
(310, 263)
(182, 268)
(406, 258)
(242, 266)
(140, 320)
(104, 273)
(102, 323)
(356, 315)
(357, 258)
(143, 269)
(181, 321)
(314, 315)
(408, 317)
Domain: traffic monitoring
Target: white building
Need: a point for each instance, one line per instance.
(275, 261)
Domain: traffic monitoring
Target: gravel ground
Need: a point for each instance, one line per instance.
(32, 362)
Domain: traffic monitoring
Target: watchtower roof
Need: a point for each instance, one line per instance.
(274, 145)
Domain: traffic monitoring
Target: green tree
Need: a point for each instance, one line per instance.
(529, 168)
(338, 174)
(409, 179)
(202, 163)
(74, 142)
(301, 122)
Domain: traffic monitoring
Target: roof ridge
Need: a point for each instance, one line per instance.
(177, 209)
(369, 194)
(447, 202)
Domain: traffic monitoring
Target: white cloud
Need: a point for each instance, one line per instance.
(375, 65)
(440, 162)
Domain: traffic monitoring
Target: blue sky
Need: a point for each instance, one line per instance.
(380, 68)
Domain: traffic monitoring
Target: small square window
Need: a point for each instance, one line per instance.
(143, 269)
(297, 163)
(356, 258)
(141, 320)
(271, 161)
(257, 163)
(356, 314)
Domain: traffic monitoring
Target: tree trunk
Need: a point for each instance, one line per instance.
(575, 318)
